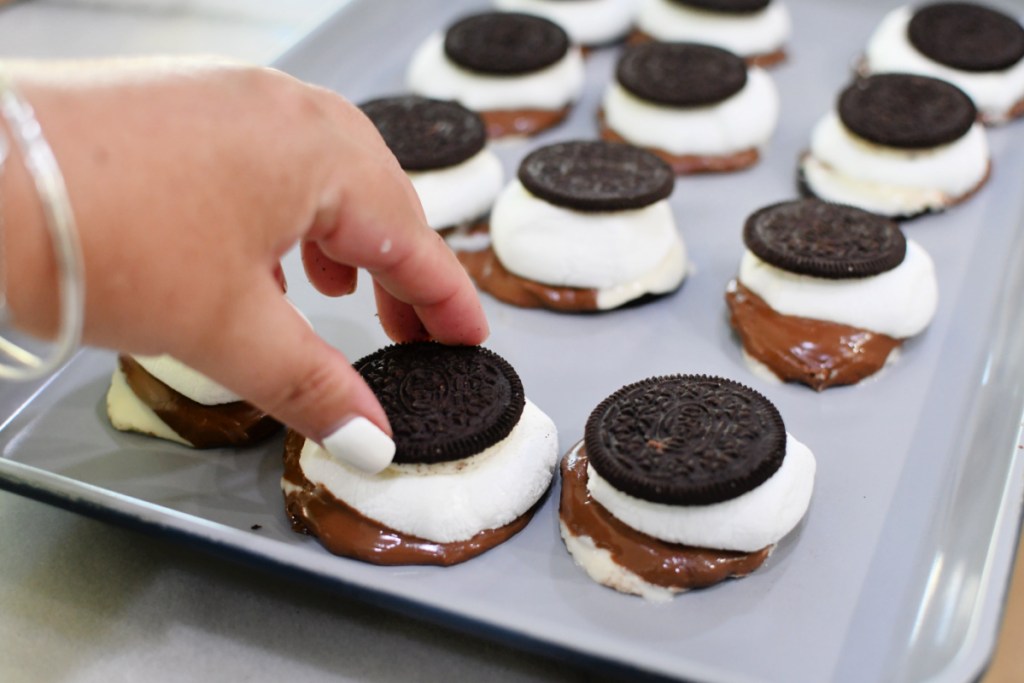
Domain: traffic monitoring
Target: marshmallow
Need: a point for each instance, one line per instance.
(455, 195)
(449, 501)
(743, 121)
(899, 303)
(186, 381)
(540, 241)
(752, 521)
(844, 168)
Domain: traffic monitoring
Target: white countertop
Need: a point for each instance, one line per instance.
(81, 600)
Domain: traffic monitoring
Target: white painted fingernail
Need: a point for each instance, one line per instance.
(361, 444)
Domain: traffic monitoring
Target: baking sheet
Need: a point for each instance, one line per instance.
(900, 568)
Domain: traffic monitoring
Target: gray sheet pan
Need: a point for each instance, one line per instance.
(899, 571)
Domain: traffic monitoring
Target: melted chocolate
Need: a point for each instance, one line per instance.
(488, 272)
(818, 353)
(501, 123)
(685, 164)
(344, 531)
(226, 424)
(657, 562)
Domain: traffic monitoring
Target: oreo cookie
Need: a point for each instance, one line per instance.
(505, 43)
(681, 74)
(444, 403)
(592, 175)
(906, 111)
(426, 134)
(967, 36)
(685, 439)
(726, 6)
(820, 239)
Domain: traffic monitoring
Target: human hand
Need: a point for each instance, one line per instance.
(189, 180)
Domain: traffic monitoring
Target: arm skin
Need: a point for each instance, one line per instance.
(189, 180)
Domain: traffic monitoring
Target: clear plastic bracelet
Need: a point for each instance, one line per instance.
(17, 362)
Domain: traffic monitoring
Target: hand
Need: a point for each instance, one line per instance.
(189, 180)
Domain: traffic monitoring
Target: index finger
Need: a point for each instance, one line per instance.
(373, 220)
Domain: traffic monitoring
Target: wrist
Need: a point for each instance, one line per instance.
(29, 268)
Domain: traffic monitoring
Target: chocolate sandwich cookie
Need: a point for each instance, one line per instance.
(426, 134)
(596, 176)
(726, 6)
(967, 36)
(505, 43)
(685, 440)
(444, 403)
(832, 241)
(681, 74)
(906, 111)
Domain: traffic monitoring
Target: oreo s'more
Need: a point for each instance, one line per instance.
(826, 293)
(698, 107)
(900, 145)
(976, 47)
(681, 482)
(585, 226)
(442, 147)
(473, 457)
(519, 71)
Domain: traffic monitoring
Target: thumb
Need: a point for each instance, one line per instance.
(268, 353)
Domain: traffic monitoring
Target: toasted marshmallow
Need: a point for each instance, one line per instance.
(610, 250)
(750, 522)
(588, 22)
(451, 501)
(995, 93)
(742, 121)
(186, 381)
(455, 195)
(747, 34)
(847, 169)
(432, 74)
(899, 303)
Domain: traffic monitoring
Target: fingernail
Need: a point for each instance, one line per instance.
(361, 444)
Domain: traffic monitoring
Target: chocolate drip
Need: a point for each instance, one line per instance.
(818, 353)
(670, 565)
(227, 424)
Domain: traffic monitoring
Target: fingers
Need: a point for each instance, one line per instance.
(384, 232)
(268, 353)
(328, 276)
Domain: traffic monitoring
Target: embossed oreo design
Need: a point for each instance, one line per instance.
(685, 439)
(967, 36)
(505, 43)
(812, 237)
(681, 74)
(596, 176)
(726, 6)
(905, 111)
(444, 402)
(426, 134)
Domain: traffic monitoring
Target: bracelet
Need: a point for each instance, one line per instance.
(60, 222)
